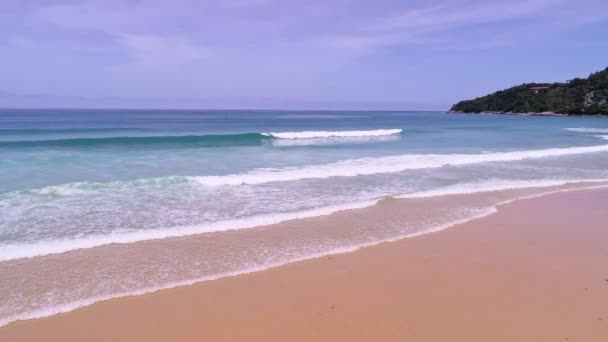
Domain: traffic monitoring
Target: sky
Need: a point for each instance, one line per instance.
(281, 54)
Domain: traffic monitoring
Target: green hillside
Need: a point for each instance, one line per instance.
(576, 97)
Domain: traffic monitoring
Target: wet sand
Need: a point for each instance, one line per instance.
(535, 271)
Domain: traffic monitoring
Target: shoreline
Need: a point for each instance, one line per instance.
(384, 211)
(57, 325)
(531, 114)
(24, 251)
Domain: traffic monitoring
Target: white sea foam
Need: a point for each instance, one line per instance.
(334, 140)
(492, 185)
(345, 168)
(588, 130)
(86, 188)
(330, 134)
(390, 164)
(605, 137)
(45, 247)
(497, 185)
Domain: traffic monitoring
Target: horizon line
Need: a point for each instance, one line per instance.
(220, 109)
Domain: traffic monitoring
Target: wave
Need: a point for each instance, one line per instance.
(211, 140)
(390, 164)
(219, 140)
(46, 247)
(85, 188)
(345, 168)
(334, 140)
(587, 130)
(605, 137)
(332, 134)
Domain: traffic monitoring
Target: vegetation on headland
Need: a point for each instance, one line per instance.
(580, 96)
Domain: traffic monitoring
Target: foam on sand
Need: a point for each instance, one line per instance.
(491, 185)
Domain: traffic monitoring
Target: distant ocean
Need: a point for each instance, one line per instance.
(96, 204)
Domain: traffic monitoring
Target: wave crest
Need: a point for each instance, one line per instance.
(212, 140)
(332, 134)
(390, 164)
(587, 130)
(344, 168)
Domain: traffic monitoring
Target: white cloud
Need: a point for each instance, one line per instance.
(426, 24)
(454, 15)
(155, 51)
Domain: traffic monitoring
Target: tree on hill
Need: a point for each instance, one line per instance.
(577, 96)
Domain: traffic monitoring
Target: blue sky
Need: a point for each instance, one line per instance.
(332, 54)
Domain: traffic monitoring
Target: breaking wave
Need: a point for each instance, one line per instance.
(344, 168)
(212, 140)
(332, 134)
(46, 247)
(390, 164)
(587, 130)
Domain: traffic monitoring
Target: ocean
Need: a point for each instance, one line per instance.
(98, 204)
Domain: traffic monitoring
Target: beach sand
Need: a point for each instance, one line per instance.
(535, 271)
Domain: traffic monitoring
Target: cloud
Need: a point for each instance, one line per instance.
(142, 31)
(6, 94)
(425, 24)
(445, 17)
(154, 51)
(346, 29)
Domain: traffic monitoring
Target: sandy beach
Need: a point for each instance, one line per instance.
(537, 270)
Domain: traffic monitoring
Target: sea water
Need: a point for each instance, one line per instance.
(161, 188)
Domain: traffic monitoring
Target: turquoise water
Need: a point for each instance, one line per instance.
(105, 173)
(78, 180)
